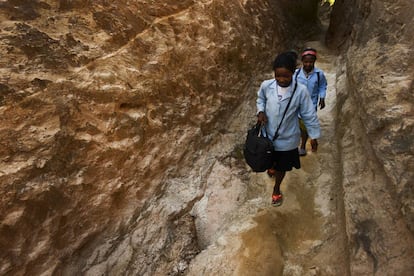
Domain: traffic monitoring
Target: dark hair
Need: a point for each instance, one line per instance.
(286, 60)
(293, 53)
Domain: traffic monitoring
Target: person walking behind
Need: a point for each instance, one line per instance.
(314, 79)
(279, 103)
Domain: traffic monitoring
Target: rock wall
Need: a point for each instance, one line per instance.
(376, 131)
(116, 115)
(104, 107)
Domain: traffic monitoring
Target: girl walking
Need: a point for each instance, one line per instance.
(279, 103)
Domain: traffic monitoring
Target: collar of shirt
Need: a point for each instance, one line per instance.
(308, 74)
(282, 92)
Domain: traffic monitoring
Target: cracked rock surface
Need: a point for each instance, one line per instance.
(122, 125)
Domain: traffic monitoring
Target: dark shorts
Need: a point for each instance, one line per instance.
(286, 160)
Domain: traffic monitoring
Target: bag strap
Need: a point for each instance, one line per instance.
(287, 107)
(317, 73)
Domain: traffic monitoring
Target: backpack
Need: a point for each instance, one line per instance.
(317, 73)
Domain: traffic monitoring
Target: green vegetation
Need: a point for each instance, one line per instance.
(331, 2)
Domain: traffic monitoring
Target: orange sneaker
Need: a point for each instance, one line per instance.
(277, 200)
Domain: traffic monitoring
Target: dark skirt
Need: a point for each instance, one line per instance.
(286, 160)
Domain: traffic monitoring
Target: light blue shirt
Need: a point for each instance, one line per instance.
(301, 105)
(316, 88)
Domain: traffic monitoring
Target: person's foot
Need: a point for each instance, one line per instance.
(277, 200)
(271, 172)
(302, 152)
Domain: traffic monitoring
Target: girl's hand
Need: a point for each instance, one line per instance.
(314, 145)
(322, 103)
(261, 118)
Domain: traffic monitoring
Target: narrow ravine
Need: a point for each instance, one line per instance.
(122, 125)
(308, 228)
(304, 236)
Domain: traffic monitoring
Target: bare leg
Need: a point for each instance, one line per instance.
(278, 180)
(304, 136)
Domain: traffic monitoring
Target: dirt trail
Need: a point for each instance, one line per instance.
(304, 236)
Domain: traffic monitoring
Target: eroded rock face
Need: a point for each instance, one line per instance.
(117, 115)
(377, 87)
(104, 107)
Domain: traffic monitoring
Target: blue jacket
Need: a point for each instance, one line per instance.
(316, 87)
(289, 132)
